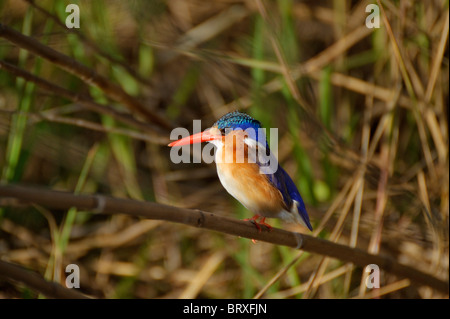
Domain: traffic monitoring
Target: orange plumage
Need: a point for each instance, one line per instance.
(243, 180)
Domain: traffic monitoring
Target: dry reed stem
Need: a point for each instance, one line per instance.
(303, 287)
(437, 60)
(196, 218)
(314, 64)
(86, 74)
(277, 276)
(89, 43)
(285, 69)
(378, 292)
(204, 273)
(406, 79)
(33, 280)
(207, 30)
(154, 135)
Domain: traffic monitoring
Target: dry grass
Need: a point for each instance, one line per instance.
(363, 126)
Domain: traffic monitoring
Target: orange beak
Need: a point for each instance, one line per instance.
(205, 136)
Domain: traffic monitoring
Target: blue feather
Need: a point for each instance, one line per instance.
(242, 121)
(284, 183)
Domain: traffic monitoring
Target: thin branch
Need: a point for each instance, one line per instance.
(437, 60)
(90, 43)
(93, 126)
(154, 133)
(83, 72)
(37, 282)
(196, 218)
(285, 69)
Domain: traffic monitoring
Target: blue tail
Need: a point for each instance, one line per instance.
(286, 186)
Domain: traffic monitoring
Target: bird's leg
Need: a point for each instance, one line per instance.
(253, 220)
(263, 222)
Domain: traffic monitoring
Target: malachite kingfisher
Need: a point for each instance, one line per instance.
(248, 173)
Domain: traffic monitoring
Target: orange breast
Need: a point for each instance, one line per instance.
(244, 180)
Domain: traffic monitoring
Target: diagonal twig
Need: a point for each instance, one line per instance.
(154, 133)
(196, 218)
(83, 72)
(37, 282)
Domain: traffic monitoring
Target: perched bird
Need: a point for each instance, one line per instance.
(268, 193)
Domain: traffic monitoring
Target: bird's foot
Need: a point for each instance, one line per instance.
(261, 222)
(254, 221)
(257, 224)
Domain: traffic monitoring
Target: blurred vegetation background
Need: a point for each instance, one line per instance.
(362, 117)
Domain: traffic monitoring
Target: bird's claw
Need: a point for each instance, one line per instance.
(258, 224)
(254, 219)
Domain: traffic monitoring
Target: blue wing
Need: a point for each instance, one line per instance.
(290, 193)
(283, 182)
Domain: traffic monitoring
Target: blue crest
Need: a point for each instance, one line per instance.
(237, 120)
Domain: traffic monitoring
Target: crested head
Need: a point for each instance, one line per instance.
(241, 121)
(237, 120)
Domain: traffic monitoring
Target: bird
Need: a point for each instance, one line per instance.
(268, 193)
